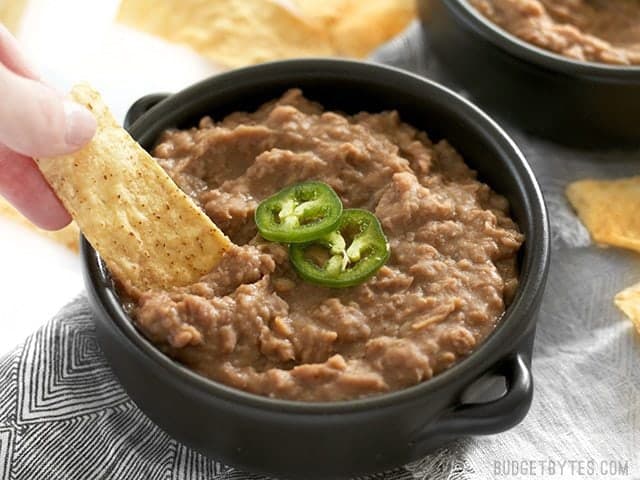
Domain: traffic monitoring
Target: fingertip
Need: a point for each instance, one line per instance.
(80, 124)
(37, 122)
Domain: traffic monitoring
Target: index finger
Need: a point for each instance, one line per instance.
(22, 184)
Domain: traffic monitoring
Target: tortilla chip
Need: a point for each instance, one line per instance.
(68, 236)
(629, 302)
(358, 27)
(149, 233)
(610, 209)
(11, 14)
(231, 32)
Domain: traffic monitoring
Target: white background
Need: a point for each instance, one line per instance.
(71, 41)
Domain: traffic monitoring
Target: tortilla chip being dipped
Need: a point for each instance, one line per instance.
(144, 227)
(610, 209)
(629, 302)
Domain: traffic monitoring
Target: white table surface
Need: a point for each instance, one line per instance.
(71, 41)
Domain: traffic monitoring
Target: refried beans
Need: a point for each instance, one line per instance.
(253, 324)
(605, 31)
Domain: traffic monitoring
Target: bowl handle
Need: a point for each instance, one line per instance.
(493, 416)
(142, 106)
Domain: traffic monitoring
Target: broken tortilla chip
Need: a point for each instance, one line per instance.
(68, 236)
(610, 209)
(146, 229)
(231, 32)
(11, 13)
(356, 28)
(244, 32)
(629, 302)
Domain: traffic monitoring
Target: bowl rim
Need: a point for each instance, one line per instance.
(513, 323)
(541, 57)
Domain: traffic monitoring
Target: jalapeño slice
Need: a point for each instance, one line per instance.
(299, 213)
(345, 257)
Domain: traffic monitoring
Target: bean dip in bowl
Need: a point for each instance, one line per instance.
(602, 31)
(259, 368)
(568, 70)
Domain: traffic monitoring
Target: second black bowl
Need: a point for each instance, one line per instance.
(572, 102)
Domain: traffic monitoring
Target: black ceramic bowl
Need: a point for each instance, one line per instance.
(576, 103)
(333, 440)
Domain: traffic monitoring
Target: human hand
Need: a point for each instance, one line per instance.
(35, 121)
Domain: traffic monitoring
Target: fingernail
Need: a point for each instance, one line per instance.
(80, 124)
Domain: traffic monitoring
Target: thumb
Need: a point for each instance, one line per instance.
(37, 122)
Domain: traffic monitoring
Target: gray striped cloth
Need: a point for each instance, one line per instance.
(63, 416)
